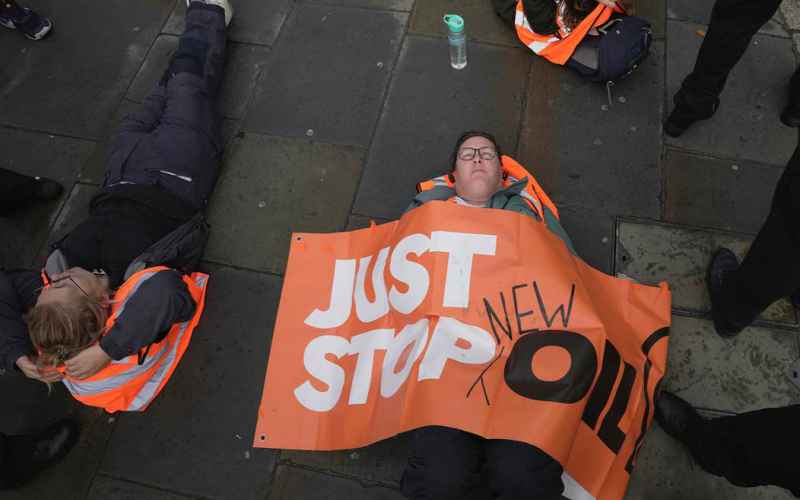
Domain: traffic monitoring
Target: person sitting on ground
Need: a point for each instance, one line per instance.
(145, 233)
(570, 33)
(443, 458)
(27, 21)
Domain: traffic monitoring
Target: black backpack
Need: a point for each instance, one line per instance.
(623, 43)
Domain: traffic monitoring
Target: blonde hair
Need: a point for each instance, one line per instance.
(60, 330)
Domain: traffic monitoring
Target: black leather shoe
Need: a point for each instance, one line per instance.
(722, 263)
(790, 116)
(682, 118)
(30, 454)
(676, 416)
(46, 189)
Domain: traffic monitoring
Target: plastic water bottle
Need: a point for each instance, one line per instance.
(457, 40)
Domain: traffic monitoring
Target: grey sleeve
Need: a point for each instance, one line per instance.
(148, 314)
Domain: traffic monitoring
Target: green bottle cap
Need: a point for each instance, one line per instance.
(454, 22)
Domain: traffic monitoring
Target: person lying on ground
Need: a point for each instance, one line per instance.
(445, 459)
(117, 286)
(482, 177)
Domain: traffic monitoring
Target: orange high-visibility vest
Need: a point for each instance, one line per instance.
(533, 194)
(552, 47)
(126, 385)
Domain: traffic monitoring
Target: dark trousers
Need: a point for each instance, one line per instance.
(752, 449)
(733, 24)
(15, 190)
(444, 461)
(771, 269)
(173, 140)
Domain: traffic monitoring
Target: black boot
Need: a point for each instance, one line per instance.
(684, 115)
(676, 416)
(722, 263)
(28, 455)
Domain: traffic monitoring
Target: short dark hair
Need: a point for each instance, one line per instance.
(467, 136)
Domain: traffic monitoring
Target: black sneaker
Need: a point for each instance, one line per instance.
(722, 263)
(676, 416)
(30, 454)
(682, 118)
(31, 24)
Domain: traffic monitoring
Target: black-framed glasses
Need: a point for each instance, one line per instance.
(486, 153)
(97, 272)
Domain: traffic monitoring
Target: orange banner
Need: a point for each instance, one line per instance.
(476, 319)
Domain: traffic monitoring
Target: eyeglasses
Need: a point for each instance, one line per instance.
(486, 153)
(48, 282)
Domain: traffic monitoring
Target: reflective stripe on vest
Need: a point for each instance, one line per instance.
(513, 172)
(555, 49)
(125, 385)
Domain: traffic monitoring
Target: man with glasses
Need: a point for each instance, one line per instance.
(444, 459)
(482, 177)
(161, 171)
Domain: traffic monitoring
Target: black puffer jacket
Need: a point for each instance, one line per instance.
(541, 14)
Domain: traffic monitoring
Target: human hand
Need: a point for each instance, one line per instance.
(87, 362)
(30, 370)
(608, 3)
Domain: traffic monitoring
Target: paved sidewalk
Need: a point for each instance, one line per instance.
(334, 109)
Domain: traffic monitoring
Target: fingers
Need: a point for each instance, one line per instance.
(51, 376)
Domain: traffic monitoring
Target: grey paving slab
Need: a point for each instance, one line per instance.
(271, 187)
(196, 436)
(743, 374)
(591, 155)
(380, 463)
(653, 252)
(28, 408)
(592, 234)
(242, 68)
(44, 155)
(322, 84)
(293, 483)
(428, 107)
(666, 471)
(71, 82)
(254, 21)
(481, 22)
(104, 488)
(746, 125)
(724, 194)
(700, 13)
(402, 5)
